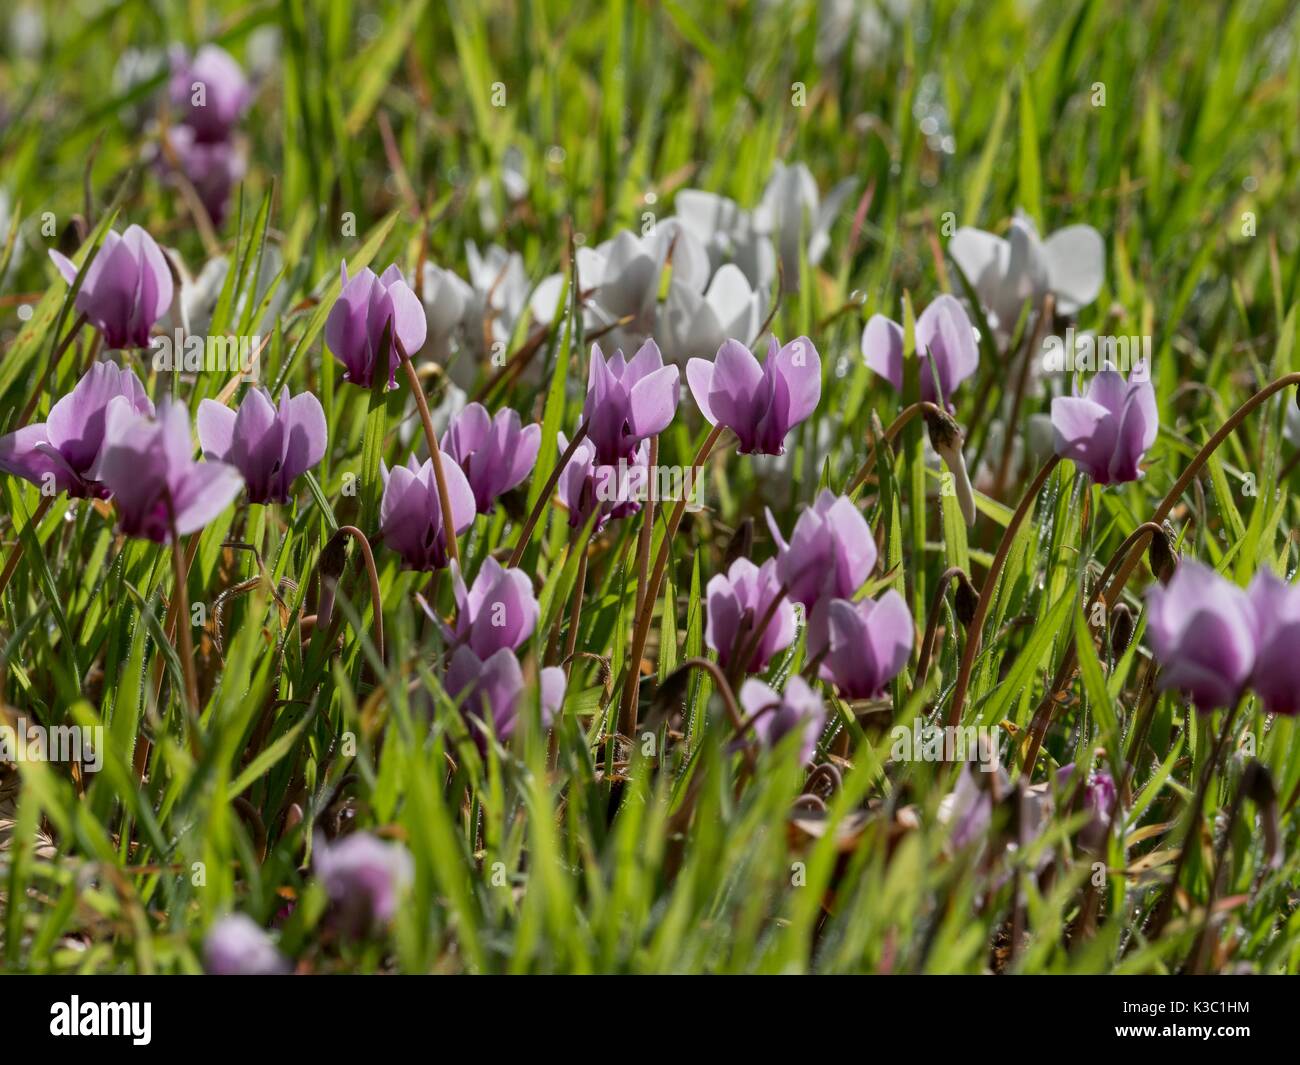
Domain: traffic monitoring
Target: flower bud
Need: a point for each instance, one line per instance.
(966, 599)
(947, 438)
(1162, 557)
(1257, 785)
(1121, 629)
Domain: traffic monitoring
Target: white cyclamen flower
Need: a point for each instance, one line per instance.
(621, 279)
(792, 211)
(729, 234)
(445, 297)
(500, 293)
(693, 325)
(1006, 273)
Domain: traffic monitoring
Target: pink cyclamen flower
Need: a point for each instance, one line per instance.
(760, 403)
(367, 307)
(1107, 432)
(628, 402)
(737, 603)
(271, 445)
(59, 453)
(577, 485)
(830, 555)
(622, 486)
(214, 168)
(868, 644)
(491, 688)
(209, 90)
(586, 487)
(1203, 632)
(968, 810)
(831, 551)
(495, 453)
(1099, 800)
(148, 464)
(1276, 677)
(410, 512)
(363, 876)
(237, 945)
(797, 709)
(945, 346)
(498, 610)
(126, 289)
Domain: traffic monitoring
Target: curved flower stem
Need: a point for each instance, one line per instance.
(376, 599)
(932, 625)
(1160, 914)
(824, 770)
(747, 725)
(647, 529)
(557, 626)
(1034, 339)
(1148, 695)
(575, 611)
(1196, 959)
(776, 305)
(180, 595)
(724, 688)
(728, 694)
(17, 553)
(435, 454)
(170, 621)
(1202, 456)
(515, 364)
(544, 497)
(1138, 542)
(1220, 435)
(66, 343)
(1290, 466)
(627, 708)
(973, 633)
(1134, 543)
(895, 427)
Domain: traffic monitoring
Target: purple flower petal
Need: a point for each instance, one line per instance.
(216, 425)
(800, 367)
(882, 348)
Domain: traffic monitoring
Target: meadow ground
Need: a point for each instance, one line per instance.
(1029, 647)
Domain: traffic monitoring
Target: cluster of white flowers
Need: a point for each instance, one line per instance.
(721, 265)
(469, 321)
(1021, 268)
